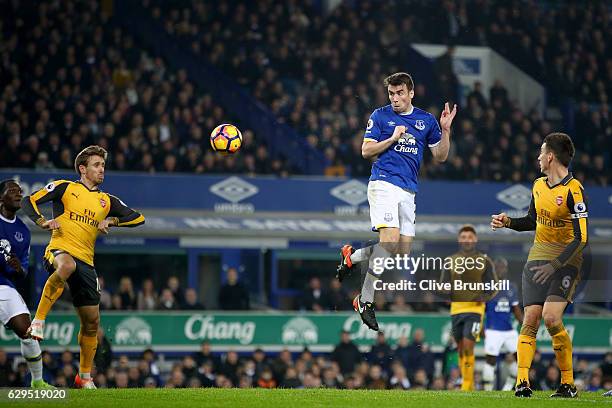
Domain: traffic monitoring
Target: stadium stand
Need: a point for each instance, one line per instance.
(88, 83)
(318, 77)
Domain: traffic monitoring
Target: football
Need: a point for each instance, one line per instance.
(226, 139)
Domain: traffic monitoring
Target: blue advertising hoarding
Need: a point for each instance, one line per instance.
(239, 195)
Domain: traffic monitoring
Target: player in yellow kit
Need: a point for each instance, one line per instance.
(558, 214)
(80, 212)
(468, 305)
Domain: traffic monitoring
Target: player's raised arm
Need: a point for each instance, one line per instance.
(121, 215)
(440, 149)
(51, 192)
(526, 223)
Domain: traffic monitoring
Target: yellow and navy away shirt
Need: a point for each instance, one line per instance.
(481, 270)
(559, 216)
(79, 211)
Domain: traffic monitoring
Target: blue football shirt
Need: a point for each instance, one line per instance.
(498, 311)
(400, 163)
(18, 235)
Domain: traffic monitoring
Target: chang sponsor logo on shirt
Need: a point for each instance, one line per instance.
(407, 144)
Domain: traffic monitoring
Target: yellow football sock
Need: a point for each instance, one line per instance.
(54, 287)
(562, 344)
(525, 350)
(88, 351)
(467, 371)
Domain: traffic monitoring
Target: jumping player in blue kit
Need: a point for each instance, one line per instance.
(14, 254)
(500, 336)
(395, 138)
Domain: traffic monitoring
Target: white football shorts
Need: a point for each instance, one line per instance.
(11, 304)
(497, 341)
(391, 207)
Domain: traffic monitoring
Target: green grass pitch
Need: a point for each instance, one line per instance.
(207, 397)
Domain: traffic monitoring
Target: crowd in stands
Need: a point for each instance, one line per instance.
(409, 365)
(320, 295)
(232, 295)
(323, 75)
(69, 77)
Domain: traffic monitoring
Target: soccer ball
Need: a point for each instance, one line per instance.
(226, 139)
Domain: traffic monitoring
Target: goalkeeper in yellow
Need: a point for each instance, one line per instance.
(558, 214)
(80, 212)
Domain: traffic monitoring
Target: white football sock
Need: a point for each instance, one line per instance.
(30, 350)
(488, 376)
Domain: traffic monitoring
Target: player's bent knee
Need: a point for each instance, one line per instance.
(551, 319)
(19, 324)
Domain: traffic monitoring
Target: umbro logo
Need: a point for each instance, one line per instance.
(517, 196)
(234, 189)
(352, 192)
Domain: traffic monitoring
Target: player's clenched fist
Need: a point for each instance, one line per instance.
(398, 132)
(499, 221)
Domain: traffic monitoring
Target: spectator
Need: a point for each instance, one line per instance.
(233, 295)
(419, 356)
(266, 379)
(376, 381)
(167, 301)
(105, 296)
(177, 292)
(314, 298)
(399, 304)
(399, 380)
(147, 297)
(346, 354)
(205, 355)
(6, 372)
(229, 367)
(337, 297)
(291, 379)
(381, 353)
(191, 300)
(551, 380)
(126, 292)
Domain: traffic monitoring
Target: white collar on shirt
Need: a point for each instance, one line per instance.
(409, 112)
(7, 220)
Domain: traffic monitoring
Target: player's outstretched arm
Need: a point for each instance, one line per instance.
(120, 215)
(371, 148)
(440, 151)
(526, 223)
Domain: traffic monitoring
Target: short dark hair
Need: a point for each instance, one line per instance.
(467, 228)
(86, 153)
(4, 185)
(399, 78)
(561, 145)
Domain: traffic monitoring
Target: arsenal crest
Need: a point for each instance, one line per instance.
(103, 203)
(559, 200)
